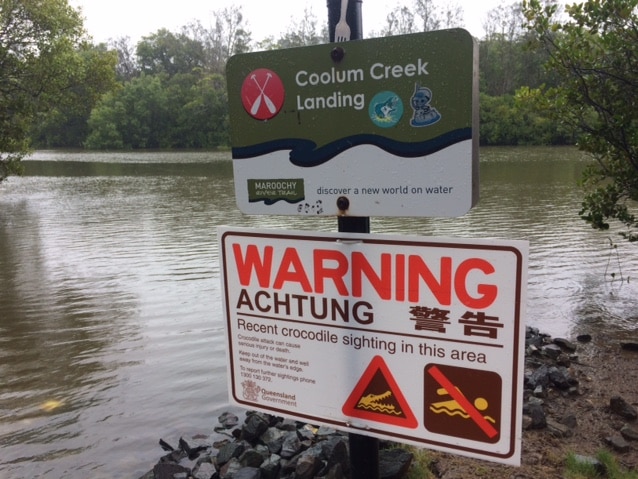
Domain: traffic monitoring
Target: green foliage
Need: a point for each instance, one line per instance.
(227, 37)
(169, 53)
(37, 60)
(422, 16)
(10, 164)
(65, 123)
(158, 111)
(421, 462)
(300, 33)
(575, 469)
(46, 70)
(594, 53)
(132, 117)
(168, 90)
(519, 120)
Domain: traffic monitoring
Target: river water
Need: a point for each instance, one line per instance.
(111, 332)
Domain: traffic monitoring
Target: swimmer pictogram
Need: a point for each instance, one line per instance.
(377, 397)
(462, 402)
(452, 407)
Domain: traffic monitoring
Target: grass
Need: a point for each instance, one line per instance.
(607, 468)
(420, 467)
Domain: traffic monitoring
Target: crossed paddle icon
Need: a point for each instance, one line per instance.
(262, 96)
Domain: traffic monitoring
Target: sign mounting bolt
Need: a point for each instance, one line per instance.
(337, 54)
(343, 203)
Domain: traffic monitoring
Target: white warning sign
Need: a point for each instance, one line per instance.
(417, 340)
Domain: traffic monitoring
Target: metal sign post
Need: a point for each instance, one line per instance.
(345, 15)
(413, 340)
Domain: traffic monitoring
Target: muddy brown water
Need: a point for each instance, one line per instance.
(111, 332)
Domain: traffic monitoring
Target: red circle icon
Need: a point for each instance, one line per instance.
(262, 94)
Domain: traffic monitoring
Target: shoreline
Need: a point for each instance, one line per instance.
(577, 399)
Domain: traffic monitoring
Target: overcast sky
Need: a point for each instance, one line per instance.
(136, 18)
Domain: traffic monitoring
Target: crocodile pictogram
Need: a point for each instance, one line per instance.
(373, 403)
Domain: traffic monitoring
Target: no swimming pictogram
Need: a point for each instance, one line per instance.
(462, 402)
(377, 397)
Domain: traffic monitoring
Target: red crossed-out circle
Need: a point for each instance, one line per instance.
(262, 94)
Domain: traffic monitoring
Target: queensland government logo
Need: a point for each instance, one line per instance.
(250, 390)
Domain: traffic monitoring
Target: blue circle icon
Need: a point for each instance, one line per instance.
(386, 109)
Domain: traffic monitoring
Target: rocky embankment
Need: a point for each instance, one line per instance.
(262, 446)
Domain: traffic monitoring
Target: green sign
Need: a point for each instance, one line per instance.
(389, 123)
(273, 190)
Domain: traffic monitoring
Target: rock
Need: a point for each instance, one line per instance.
(254, 426)
(565, 344)
(544, 376)
(270, 467)
(573, 391)
(620, 407)
(166, 470)
(291, 445)
(191, 452)
(335, 472)
(308, 465)
(570, 421)
(269, 447)
(561, 377)
(248, 473)
(230, 451)
(335, 451)
(326, 431)
(539, 377)
(205, 471)
(231, 468)
(394, 463)
(306, 433)
(564, 359)
(173, 457)
(536, 400)
(533, 338)
(557, 429)
(618, 443)
(527, 422)
(598, 466)
(629, 433)
(287, 425)
(274, 439)
(552, 350)
(251, 458)
(584, 338)
(164, 445)
(531, 350)
(536, 414)
(228, 420)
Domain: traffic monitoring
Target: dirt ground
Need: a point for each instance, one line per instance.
(603, 370)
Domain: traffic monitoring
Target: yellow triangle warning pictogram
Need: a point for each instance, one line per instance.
(377, 397)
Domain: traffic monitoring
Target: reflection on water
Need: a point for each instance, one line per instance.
(110, 323)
